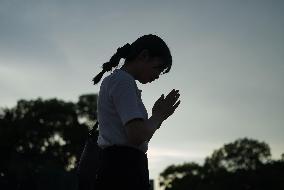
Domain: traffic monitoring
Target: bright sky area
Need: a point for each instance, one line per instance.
(227, 63)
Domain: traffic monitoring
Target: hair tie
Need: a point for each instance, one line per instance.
(107, 66)
(121, 52)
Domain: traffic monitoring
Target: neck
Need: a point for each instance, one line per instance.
(129, 68)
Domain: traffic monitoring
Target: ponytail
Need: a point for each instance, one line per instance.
(154, 44)
(121, 52)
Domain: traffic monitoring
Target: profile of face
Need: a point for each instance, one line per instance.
(150, 68)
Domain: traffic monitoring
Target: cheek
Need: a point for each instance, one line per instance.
(145, 78)
(156, 74)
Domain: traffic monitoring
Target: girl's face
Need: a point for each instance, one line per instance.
(151, 70)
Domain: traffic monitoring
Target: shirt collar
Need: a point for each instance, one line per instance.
(120, 70)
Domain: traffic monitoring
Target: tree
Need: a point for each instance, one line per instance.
(43, 135)
(180, 176)
(242, 164)
(242, 154)
(87, 108)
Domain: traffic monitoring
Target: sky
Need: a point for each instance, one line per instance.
(227, 63)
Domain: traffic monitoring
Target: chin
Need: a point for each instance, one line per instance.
(149, 81)
(143, 81)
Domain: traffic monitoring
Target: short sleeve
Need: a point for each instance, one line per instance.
(125, 99)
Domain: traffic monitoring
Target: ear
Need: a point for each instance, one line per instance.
(144, 55)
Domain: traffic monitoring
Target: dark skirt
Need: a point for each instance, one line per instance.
(123, 167)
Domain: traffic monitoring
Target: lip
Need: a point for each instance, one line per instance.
(152, 80)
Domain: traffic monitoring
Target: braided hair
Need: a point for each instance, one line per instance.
(154, 44)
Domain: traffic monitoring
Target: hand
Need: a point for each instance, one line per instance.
(165, 107)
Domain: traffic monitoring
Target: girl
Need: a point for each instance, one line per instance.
(124, 126)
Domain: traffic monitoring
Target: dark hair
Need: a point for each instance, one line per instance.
(155, 46)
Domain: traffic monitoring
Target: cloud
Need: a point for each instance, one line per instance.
(26, 35)
(158, 154)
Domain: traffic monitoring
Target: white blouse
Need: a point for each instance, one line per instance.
(119, 101)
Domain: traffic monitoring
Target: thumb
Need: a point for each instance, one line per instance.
(161, 97)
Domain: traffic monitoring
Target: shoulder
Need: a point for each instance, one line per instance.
(121, 75)
(120, 78)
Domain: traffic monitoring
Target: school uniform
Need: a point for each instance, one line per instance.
(122, 165)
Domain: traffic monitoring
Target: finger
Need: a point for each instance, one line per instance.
(176, 105)
(176, 96)
(170, 93)
(173, 93)
(172, 110)
(161, 97)
(172, 100)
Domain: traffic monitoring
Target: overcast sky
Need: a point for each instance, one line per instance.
(227, 63)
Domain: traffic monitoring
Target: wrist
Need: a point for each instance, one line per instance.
(156, 121)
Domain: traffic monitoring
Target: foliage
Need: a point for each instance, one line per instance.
(42, 137)
(242, 154)
(87, 108)
(174, 175)
(41, 141)
(243, 164)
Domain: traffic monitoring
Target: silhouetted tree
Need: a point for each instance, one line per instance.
(180, 176)
(242, 154)
(241, 165)
(42, 136)
(87, 108)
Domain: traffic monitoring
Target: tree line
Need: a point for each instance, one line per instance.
(244, 164)
(41, 142)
